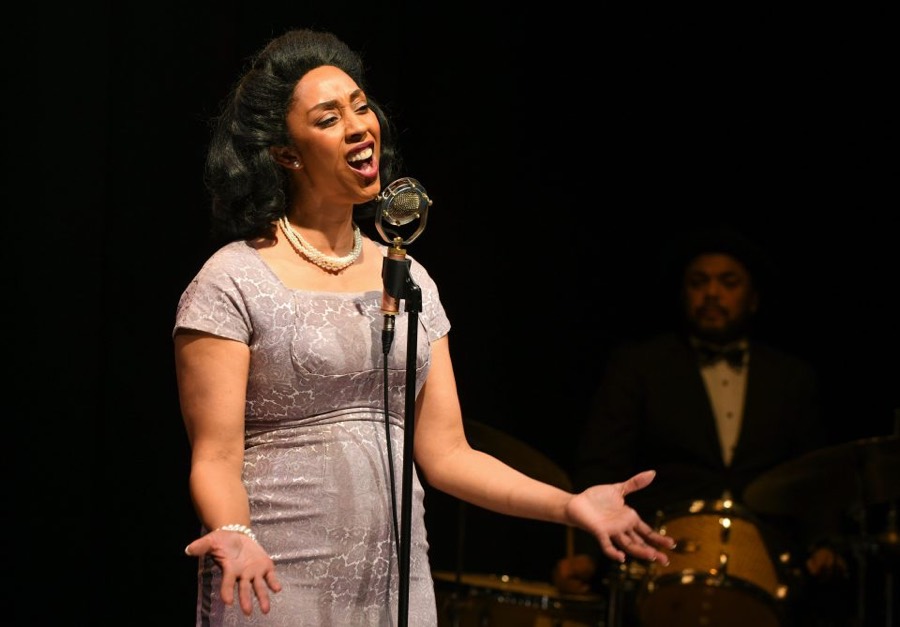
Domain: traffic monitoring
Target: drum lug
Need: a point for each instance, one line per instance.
(723, 566)
(725, 526)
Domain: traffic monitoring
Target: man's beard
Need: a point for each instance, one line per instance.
(731, 332)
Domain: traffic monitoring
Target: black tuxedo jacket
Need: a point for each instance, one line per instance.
(651, 411)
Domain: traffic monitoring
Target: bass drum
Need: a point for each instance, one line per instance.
(720, 573)
(479, 600)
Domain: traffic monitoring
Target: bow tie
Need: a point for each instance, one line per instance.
(709, 355)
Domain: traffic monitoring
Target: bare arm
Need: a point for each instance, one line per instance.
(212, 380)
(449, 464)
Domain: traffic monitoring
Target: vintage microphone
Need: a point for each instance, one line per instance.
(398, 205)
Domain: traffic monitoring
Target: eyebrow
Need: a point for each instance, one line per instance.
(714, 275)
(333, 104)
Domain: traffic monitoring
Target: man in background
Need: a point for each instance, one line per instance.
(710, 408)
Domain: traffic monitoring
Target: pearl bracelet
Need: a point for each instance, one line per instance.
(244, 529)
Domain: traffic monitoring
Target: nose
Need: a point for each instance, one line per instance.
(712, 290)
(356, 127)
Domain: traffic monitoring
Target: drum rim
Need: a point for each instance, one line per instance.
(708, 579)
(511, 586)
(698, 507)
(669, 581)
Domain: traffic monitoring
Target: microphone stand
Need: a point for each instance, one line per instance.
(398, 204)
(399, 285)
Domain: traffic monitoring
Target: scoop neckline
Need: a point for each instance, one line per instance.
(275, 276)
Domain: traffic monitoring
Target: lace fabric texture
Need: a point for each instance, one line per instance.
(316, 467)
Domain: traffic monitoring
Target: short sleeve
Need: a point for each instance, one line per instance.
(434, 317)
(213, 301)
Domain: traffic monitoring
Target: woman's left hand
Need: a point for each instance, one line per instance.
(601, 510)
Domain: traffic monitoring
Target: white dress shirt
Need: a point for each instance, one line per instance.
(726, 386)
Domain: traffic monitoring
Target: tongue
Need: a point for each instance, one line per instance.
(366, 168)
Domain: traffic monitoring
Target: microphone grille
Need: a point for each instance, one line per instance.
(403, 201)
(398, 204)
(403, 208)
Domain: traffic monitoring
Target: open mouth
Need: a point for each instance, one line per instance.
(362, 161)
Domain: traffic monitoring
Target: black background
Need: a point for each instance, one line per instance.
(562, 147)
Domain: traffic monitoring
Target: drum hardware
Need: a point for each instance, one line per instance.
(518, 455)
(888, 542)
(467, 599)
(622, 586)
(483, 600)
(842, 477)
(883, 547)
(849, 478)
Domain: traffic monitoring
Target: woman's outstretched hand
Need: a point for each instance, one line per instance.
(601, 510)
(243, 562)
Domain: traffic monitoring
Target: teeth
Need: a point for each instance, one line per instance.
(361, 156)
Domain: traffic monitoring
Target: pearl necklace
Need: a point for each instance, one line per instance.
(310, 252)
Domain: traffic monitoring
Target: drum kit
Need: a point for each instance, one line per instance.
(723, 570)
(854, 479)
(481, 600)
(467, 599)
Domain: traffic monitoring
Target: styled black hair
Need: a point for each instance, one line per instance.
(248, 188)
(724, 239)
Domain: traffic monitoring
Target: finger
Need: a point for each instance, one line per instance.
(636, 538)
(660, 557)
(644, 529)
(262, 594)
(658, 539)
(650, 554)
(245, 595)
(228, 581)
(636, 546)
(638, 481)
(626, 542)
(652, 536)
(611, 551)
(197, 548)
(633, 544)
(272, 581)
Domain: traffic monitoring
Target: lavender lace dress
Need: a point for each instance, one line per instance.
(316, 462)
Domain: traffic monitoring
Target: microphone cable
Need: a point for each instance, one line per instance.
(397, 205)
(390, 452)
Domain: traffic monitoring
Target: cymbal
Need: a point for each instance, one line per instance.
(845, 476)
(515, 453)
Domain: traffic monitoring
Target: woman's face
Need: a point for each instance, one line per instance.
(336, 137)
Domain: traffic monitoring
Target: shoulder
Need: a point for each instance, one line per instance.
(234, 259)
(775, 357)
(230, 273)
(233, 252)
(652, 347)
(420, 273)
(218, 298)
(650, 356)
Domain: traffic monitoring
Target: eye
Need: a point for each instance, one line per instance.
(732, 281)
(325, 122)
(695, 281)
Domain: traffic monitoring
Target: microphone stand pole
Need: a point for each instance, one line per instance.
(399, 284)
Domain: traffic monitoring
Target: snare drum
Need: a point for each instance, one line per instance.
(720, 572)
(479, 600)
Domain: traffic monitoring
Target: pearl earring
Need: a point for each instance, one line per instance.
(296, 164)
